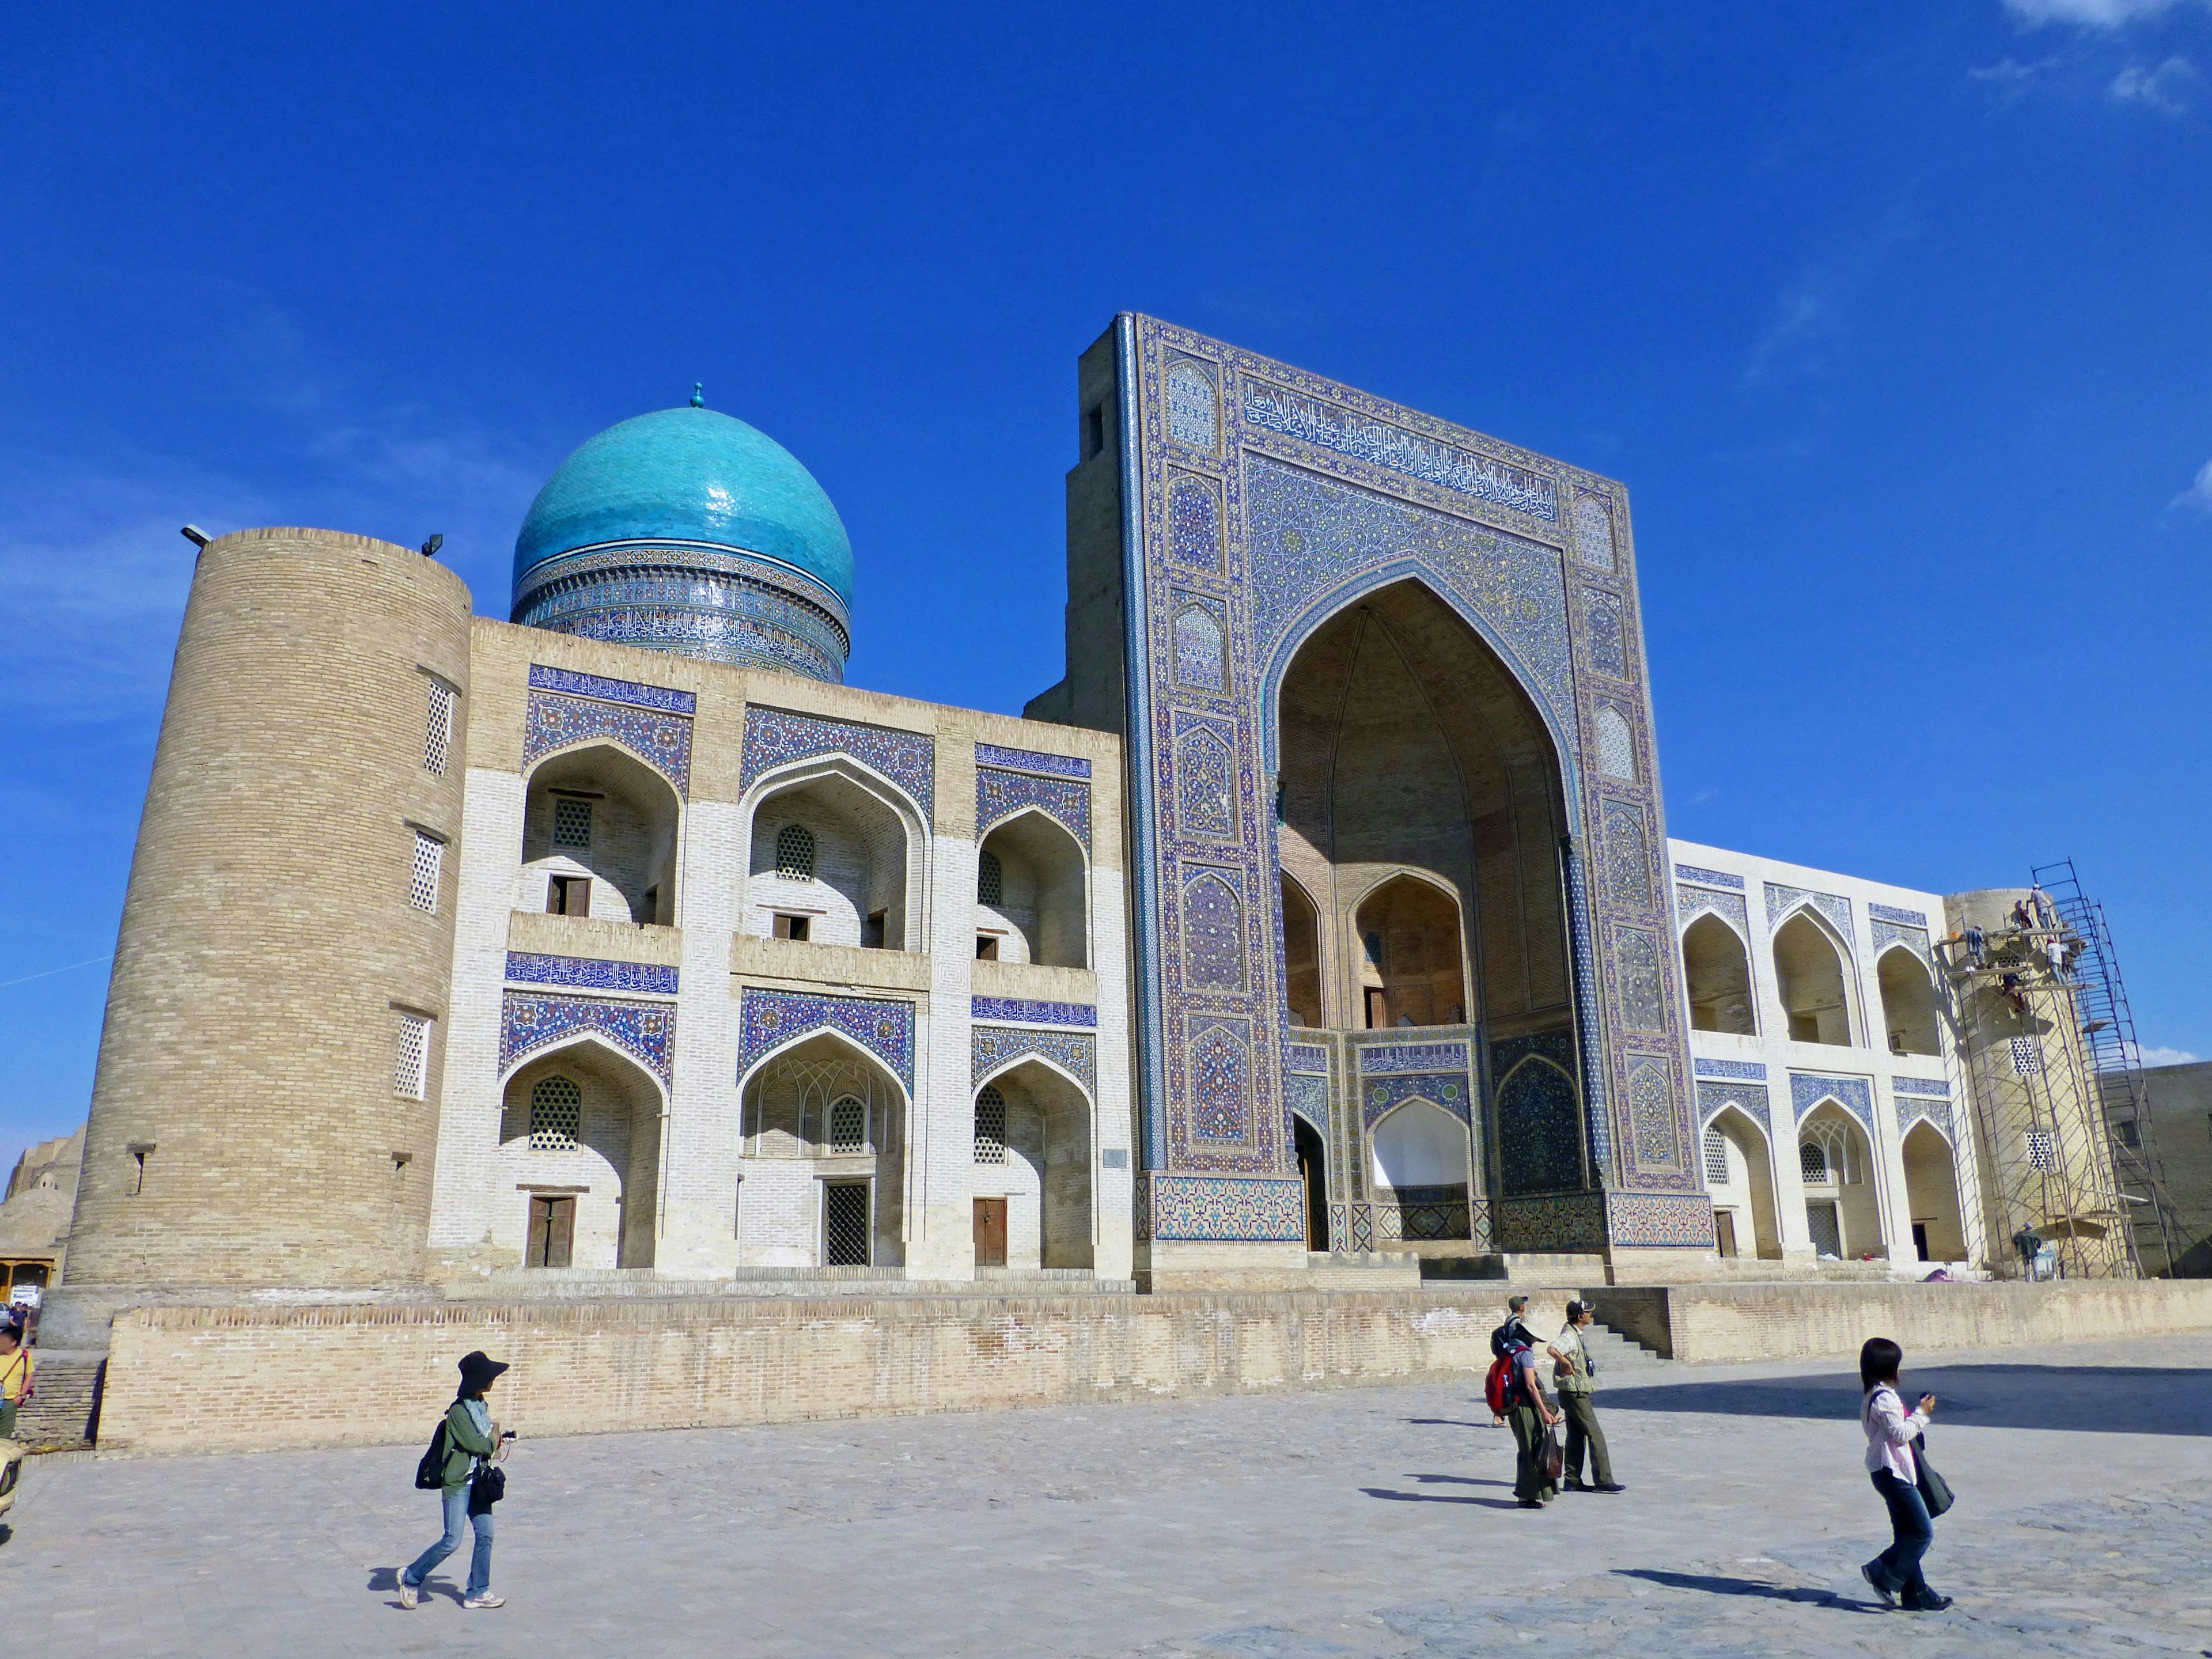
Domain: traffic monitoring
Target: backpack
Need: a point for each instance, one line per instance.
(430, 1472)
(1501, 1389)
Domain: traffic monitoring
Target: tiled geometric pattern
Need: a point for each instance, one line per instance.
(1315, 421)
(1628, 853)
(1807, 1090)
(646, 1032)
(991, 1048)
(1224, 1207)
(695, 601)
(1306, 1057)
(1691, 902)
(1911, 1108)
(1195, 523)
(1193, 407)
(1608, 650)
(1902, 918)
(1206, 784)
(1378, 1096)
(1028, 759)
(1220, 1081)
(1213, 933)
(1651, 1113)
(1000, 795)
(1308, 1096)
(1539, 1130)
(1616, 745)
(1201, 647)
(1914, 939)
(1422, 1213)
(664, 698)
(1750, 1099)
(1022, 1011)
(1383, 1060)
(1636, 955)
(555, 721)
(1751, 1069)
(1707, 878)
(584, 974)
(1922, 1085)
(1593, 533)
(769, 1018)
(1660, 1220)
(775, 737)
(1837, 909)
(1565, 1222)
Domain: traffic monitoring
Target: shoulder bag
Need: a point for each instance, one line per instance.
(1934, 1490)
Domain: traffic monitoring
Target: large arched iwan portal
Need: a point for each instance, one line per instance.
(1415, 769)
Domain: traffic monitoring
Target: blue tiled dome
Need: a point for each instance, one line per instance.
(690, 531)
(689, 474)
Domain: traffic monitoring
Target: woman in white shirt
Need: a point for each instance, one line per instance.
(1890, 1432)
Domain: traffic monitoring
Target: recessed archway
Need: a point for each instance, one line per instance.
(823, 1129)
(1739, 1176)
(579, 1157)
(1302, 970)
(836, 859)
(1038, 1163)
(1029, 894)
(1716, 970)
(1835, 1164)
(600, 830)
(1908, 1002)
(1313, 1174)
(1410, 971)
(1423, 1172)
(1931, 1192)
(1809, 974)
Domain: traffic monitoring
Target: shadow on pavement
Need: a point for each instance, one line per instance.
(2106, 1398)
(1715, 1585)
(1443, 1497)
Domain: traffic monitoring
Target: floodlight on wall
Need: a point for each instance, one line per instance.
(430, 548)
(196, 536)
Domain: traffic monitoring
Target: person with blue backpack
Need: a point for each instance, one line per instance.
(460, 1465)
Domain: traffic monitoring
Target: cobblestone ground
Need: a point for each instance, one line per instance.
(1377, 1523)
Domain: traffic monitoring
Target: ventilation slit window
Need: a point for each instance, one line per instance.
(990, 880)
(410, 1077)
(1717, 1170)
(423, 878)
(990, 1126)
(556, 1112)
(439, 737)
(571, 823)
(794, 852)
(2043, 1152)
(849, 1125)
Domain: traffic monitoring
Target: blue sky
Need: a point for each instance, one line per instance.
(1894, 317)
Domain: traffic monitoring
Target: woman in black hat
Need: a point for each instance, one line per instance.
(472, 1442)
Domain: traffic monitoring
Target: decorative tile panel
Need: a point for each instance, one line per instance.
(1651, 1122)
(1307, 1057)
(1028, 759)
(1748, 1099)
(555, 720)
(1000, 795)
(1914, 939)
(1628, 853)
(993, 1048)
(1911, 1108)
(1636, 953)
(1307, 1096)
(1922, 1085)
(646, 1032)
(1315, 421)
(1616, 743)
(1568, 1223)
(775, 737)
(1193, 408)
(768, 1019)
(1707, 878)
(529, 968)
(1379, 1096)
(1384, 1059)
(1608, 646)
(1194, 522)
(1660, 1220)
(1750, 1069)
(1201, 648)
(1781, 900)
(1902, 918)
(1220, 1077)
(1593, 533)
(1022, 1011)
(1854, 1094)
(1182, 1206)
(1539, 1128)
(1206, 784)
(664, 698)
(1691, 902)
(1213, 933)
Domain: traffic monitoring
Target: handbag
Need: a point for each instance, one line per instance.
(486, 1488)
(1934, 1490)
(1552, 1456)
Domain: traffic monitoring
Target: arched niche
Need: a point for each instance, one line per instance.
(821, 1113)
(1312, 1155)
(1836, 1167)
(1908, 1002)
(1410, 970)
(1931, 1194)
(1422, 1171)
(1810, 977)
(1407, 747)
(1030, 893)
(1040, 1165)
(1302, 969)
(1717, 970)
(600, 835)
(1739, 1177)
(579, 1159)
(836, 859)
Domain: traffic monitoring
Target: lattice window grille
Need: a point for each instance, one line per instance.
(423, 878)
(2043, 1152)
(794, 852)
(571, 823)
(2026, 1056)
(990, 880)
(849, 1125)
(410, 1077)
(1716, 1167)
(990, 1126)
(556, 1112)
(845, 1223)
(437, 739)
(1813, 1162)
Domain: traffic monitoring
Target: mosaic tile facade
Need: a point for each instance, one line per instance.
(775, 737)
(1651, 1117)
(1221, 1207)
(1306, 1057)
(1780, 901)
(1307, 1096)
(554, 720)
(1380, 1096)
(665, 698)
(1324, 494)
(646, 1032)
(1201, 645)
(1854, 1094)
(1213, 933)
(1616, 743)
(1753, 1070)
(1922, 1085)
(1637, 954)
(1539, 1130)
(1708, 877)
(1571, 1222)
(1914, 939)
(695, 601)
(1384, 1059)
(1030, 760)
(768, 1019)
(1691, 902)
(529, 967)
(991, 1048)
(1023, 1011)
(1220, 1079)
(1749, 1098)
(1911, 1108)
(1424, 1214)
(1000, 795)
(1658, 1221)
(1902, 918)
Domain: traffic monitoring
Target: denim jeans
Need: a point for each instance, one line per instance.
(1912, 1531)
(457, 1521)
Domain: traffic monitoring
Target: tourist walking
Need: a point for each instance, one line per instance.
(1532, 1418)
(16, 1364)
(1515, 1329)
(1890, 1433)
(1577, 1377)
(473, 1444)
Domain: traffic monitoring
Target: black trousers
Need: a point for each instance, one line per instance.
(1582, 1430)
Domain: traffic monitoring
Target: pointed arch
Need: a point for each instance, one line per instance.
(1746, 1194)
(870, 885)
(602, 834)
(1539, 1129)
(1043, 904)
(1716, 977)
(1812, 975)
(1911, 1015)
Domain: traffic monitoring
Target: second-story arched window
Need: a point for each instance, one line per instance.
(794, 852)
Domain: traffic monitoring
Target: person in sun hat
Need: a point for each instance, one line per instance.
(472, 1443)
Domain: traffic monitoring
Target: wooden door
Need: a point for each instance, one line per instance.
(552, 1231)
(1379, 1010)
(990, 1232)
(1724, 1232)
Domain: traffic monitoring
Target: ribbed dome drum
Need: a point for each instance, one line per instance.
(689, 531)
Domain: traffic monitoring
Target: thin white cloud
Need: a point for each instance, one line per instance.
(2166, 88)
(2199, 493)
(2167, 1057)
(2091, 13)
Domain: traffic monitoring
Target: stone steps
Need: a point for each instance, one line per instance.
(1614, 1354)
(64, 1410)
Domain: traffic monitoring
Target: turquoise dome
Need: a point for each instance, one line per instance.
(688, 475)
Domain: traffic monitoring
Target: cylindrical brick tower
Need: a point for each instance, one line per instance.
(265, 1110)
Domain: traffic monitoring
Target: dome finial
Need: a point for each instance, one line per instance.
(698, 394)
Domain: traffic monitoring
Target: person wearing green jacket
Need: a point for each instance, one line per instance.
(472, 1442)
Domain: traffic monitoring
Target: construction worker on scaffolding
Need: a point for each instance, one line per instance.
(2029, 1243)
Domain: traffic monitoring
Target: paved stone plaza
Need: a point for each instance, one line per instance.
(1361, 1522)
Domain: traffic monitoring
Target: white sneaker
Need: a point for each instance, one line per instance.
(408, 1596)
(487, 1599)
